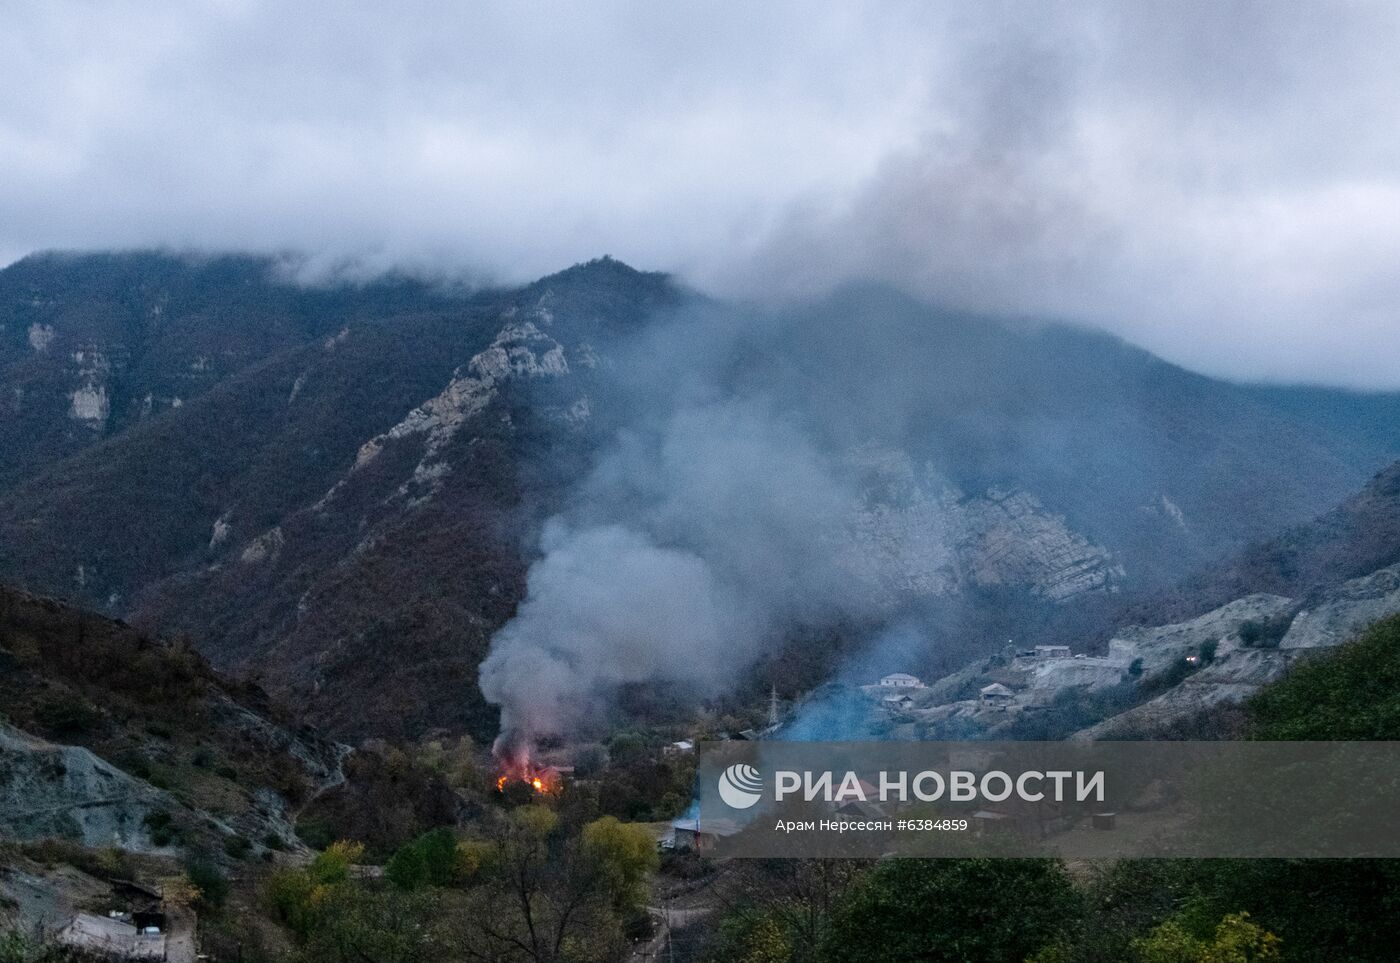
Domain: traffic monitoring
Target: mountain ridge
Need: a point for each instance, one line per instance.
(353, 513)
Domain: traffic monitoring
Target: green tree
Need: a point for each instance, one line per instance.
(794, 898)
(210, 881)
(540, 897)
(624, 854)
(953, 910)
(1235, 940)
(297, 896)
(431, 859)
(753, 936)
(332, 866)
(355, 925)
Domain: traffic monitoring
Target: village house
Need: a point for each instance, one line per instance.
(113, 937)
(901, 680)
(896, 703)
(856, 810)
(687, 833)
(1044, 652)
(995, 694)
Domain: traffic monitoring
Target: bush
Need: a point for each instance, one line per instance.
(14, 948)
(1265, 633)
(67, 714)
(212, 884)
(237, 847)
(315, 832)
(161, 827)
(109, 863)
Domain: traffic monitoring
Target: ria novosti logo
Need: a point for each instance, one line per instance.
(740, 786)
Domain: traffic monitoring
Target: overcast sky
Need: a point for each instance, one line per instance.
(1217, 181)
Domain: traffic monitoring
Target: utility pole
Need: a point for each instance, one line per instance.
(773, 705)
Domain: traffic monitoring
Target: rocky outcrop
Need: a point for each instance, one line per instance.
(1238, 671)
(89, 402)
(1158, 646)
(1221, 657)
(520, 350)
(919, 536)
(1079, 672)
(1010, 538)
(1345, 611)
(48, 790)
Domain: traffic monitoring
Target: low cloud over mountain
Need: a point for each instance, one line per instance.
(1219, 182)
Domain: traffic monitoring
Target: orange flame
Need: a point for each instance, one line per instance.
(542, 779)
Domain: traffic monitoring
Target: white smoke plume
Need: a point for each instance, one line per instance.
(691, 544)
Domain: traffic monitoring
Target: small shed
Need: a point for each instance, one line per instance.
(896, 703)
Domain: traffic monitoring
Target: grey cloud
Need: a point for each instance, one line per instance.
(1218, 181)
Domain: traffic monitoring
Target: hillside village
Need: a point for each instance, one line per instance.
(279, 698)
(1148, 679)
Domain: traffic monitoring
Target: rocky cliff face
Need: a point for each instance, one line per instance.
(66, 792)
(926, 537)
(1339, 614)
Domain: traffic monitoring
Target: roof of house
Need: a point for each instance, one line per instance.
(996, 688)
(901, 676)
(100, 934)
(714, 827)
(897, 698)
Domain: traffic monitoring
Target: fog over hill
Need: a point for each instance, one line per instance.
(653, 485)
(1215, 181)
